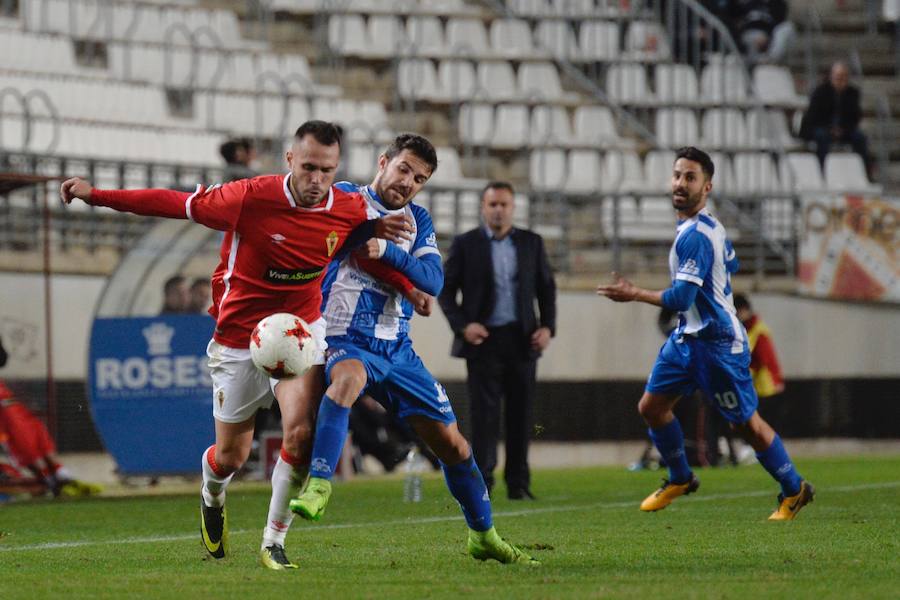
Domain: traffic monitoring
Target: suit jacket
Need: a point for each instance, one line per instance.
(822, 106)
(469, 268)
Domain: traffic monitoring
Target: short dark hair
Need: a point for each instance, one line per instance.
(172, 282)
(324, 132)
(416, 144)
(200, 281)
(497, 185)
(741, 301)
(228, 150)
(698, 156)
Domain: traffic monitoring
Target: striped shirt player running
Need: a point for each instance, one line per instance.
(281, 232)
(369, 351)
(708, 349)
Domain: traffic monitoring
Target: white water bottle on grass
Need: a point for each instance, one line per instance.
(413, 467)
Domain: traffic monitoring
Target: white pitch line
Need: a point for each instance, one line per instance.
(426, 520)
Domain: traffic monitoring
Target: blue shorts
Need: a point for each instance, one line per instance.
(685, 364)
(396, 376)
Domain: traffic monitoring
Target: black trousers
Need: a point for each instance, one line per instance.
(502, 372)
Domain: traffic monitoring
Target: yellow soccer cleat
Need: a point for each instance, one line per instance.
(484, 545)
(213, 529)
(273, 557)
(664, 496)
(789, 507)
(312, 502)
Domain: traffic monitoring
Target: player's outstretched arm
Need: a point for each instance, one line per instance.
(622, 290)
(153, 203)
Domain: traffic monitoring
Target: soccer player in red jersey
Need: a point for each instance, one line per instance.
(281, 231)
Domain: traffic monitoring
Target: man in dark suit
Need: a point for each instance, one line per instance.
(833, 115)
(501, 271)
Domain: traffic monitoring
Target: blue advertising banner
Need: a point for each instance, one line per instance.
(150, 390)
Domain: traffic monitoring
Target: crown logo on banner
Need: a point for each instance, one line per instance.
(159, 338)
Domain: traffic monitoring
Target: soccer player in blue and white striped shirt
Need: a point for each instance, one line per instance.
(708, 349)
(370, 352)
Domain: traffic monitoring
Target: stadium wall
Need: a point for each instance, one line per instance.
(842, 362)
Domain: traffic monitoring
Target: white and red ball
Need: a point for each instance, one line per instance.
(282, 345)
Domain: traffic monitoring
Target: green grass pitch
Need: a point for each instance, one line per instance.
(585, 528)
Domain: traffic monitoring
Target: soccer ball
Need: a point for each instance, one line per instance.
(282, 345)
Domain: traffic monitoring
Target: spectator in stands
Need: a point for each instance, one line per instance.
(238, 154)
(834, 114)
(762, 29)
(175, 296)
(200, 296)
(764, 365)
(501, 271)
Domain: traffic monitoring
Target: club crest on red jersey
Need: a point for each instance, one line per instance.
(331, 241)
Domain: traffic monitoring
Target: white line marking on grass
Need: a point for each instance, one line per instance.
(427, 520)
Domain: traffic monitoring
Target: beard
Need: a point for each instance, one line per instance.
(686, 202)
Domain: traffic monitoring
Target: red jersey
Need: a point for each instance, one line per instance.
(274, 252)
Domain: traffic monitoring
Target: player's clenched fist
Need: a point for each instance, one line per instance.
(394, 228)
(422, 302)
(76, 187)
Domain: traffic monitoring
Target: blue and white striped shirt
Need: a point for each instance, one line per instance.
(703, 255)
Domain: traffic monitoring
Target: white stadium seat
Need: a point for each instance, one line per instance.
(583, 172)
(550, 126)
(801, 172)
(774, 85)
(724, 81)
(476, 124)
(417, 79)
(845, 172)
(497, 80)
(511, 38)
(547, 169)
(510, 127)
(725, 128)
(755, 174)
(457, 80)
(467, 37)
(658, 166)
(557, 38)
(539, 81)
(347, 35)
(627, 84)
(425, 36)
(646, 41)
(676, 84)
(595, 126)
(676, 127)
(623, 172)
(599, 41)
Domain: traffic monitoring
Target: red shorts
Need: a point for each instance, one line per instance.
(27, 437)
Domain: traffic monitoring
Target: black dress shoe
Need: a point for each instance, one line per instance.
(520, 494)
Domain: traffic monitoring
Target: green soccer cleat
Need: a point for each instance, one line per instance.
(312, 502)
(273, 557)
(483, 545)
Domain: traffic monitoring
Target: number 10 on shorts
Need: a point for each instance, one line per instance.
(727, 400)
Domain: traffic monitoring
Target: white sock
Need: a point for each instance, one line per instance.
(213, 485)
(287, 481)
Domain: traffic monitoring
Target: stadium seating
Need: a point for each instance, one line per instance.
(845, 172)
